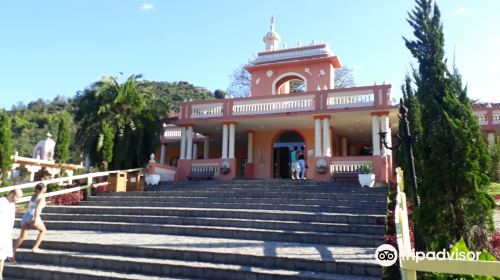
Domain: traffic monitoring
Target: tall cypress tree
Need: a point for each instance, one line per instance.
(411, 102)
(61, 153)
(6, 145)
(455, 159)
(106, 151)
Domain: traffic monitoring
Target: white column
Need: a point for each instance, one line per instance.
(317, 138)
(189, 143)
(162, 153)
(388, 139)
(343, 146)
(183, 143)
(224, 141)
(231, 140)
(250, 147)
(327, 141)
(206, 147)
(195, 151)
(491, 139)
(375, 136)
(32, 169)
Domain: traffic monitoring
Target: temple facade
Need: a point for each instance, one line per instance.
(293, 103)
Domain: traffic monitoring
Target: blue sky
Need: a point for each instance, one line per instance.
(57, 47)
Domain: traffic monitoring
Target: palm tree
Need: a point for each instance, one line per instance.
(134, 114)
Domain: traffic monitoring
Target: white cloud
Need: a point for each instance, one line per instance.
(147, 6)
(460, 11)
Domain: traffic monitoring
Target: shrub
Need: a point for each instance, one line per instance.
(495, 245)
(101, 189)
(365, 169)
(73, 198)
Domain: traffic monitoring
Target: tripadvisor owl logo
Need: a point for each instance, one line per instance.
(386, 255)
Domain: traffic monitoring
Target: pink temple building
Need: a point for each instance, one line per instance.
(252, 137)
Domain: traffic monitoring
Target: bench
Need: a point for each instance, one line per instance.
(345, 177)
(201, 175)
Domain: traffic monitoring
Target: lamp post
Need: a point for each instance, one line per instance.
(408, 139)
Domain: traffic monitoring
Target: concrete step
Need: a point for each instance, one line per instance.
(298, 216)
(42, 271)
(266, 183)
(337, 260)
(222, 222)
(260, 194)
(337, 201)
(160, 267)
(365, 209)
(345, 239)
(303, 188)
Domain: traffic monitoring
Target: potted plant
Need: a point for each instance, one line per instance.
(225, 167)
(321, 166)
(366, 176)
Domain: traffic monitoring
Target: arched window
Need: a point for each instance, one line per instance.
(289, 83)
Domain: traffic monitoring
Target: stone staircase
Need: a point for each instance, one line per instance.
(270, 229)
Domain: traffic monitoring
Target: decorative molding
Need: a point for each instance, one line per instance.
(269, 73)
(319, 50)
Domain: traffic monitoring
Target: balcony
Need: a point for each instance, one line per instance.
(325, 101)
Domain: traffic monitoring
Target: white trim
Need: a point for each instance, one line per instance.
(285, 75)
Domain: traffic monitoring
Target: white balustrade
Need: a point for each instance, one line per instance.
(207, 110)
(349, 100)
(348, 166)
(171, 133)
(275, 105)
(206, 167)
(496, 117)
(482, 116)
(165, 174)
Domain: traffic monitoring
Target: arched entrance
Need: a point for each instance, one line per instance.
(282, 149)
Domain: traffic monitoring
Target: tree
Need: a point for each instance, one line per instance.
(105, 145)
(241, 81)
(495, 163)
(6, 145)
(411, 102)
(132, 113)
(455, 160)
(220, 94)
(344, 78)
(62, 153)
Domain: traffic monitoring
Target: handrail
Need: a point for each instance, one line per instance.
(65, 179)
(409, 265)
(59, 192)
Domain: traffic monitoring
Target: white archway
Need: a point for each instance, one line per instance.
(286, 75)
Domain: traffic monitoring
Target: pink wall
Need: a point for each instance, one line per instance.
(313, 78)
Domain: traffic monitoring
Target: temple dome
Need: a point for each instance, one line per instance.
(272, 38)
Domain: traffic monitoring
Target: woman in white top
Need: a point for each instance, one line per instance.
(31, 219)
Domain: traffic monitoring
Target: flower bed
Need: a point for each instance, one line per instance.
(73, 198)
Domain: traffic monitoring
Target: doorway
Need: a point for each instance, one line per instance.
(282, 149)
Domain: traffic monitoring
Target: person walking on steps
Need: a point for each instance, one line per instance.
(7, 217)
(295, 168)
(302, 162)
(31, 219)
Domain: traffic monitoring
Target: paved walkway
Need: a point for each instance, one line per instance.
(221, 245)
